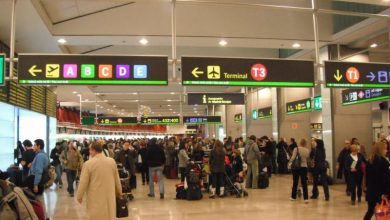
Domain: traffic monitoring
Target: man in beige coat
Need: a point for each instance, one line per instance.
(100, 181)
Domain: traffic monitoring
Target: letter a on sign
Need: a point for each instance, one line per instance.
(70, 71)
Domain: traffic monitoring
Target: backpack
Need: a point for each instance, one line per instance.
(15, 205)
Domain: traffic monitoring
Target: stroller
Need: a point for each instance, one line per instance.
(124, 177)
(193, 182)
(233, 185)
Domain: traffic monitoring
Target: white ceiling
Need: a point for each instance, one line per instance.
(116, 26)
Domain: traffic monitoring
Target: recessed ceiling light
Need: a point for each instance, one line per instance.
(296, 45)
(143, 41)
(106, 100)
(170, 109)
(74, 92)
(174, 112)
(374, 45)
(61, 41)
(196, 104)
(134, 93)
(136, 100)
(169, 100)
(222, 42)
(169, 105)
(114, 106)
(101, 106)
(172, 93)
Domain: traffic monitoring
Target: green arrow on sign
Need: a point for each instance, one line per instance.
(338, 76)
(196, 72)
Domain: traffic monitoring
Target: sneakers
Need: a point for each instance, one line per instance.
(306, 201)
(150, 195)
(292, 199)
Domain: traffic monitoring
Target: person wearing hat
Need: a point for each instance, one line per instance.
(251, 157)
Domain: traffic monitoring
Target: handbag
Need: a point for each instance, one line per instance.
(382, 210)
(121, 207)
(296, 163)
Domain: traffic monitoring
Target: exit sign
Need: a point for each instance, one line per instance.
(317, 103)
(2, 69)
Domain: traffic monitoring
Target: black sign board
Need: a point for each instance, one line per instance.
(92, 70)
(356, 96)
(238, 118)
(160, 120)
(247, 72)
(316, 126)
(303, 105)
(117, 120)
(216, 98)
(202, 120)
(264, 112)
(358, 75)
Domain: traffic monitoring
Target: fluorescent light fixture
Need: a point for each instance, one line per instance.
(143, 41)
(296, 45)
(374, 45)
(222, 43)
(61, 41)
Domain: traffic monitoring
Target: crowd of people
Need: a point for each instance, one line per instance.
(90, 162)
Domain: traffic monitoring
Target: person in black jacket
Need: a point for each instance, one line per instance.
(341, 162)
(283, 157)
(267, 157)
(55, 156)
(318, 156)
(28, 157)
(292, 146)
(156, 160)
(126, 158)
(217, 167)
(18, 152)
(377, 178)
(198, 153)
(144, 164)
(353, 165)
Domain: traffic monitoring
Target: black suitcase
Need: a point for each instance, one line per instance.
(263, 181)
(194, 192)
(121, 208)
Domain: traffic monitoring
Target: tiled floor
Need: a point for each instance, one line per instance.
(271, 203)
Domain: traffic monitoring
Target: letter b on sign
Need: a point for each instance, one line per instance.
(259, 72)
(87, 71)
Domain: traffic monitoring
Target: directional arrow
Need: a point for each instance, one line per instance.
(196, 71)
(338, 76)
(33, 70)
(371, 76)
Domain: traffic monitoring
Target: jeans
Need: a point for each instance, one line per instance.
(182, 171)
(253, 171)
(320, 174)
(160, 180)
(355, 183)
(300, 173)
(71, 177)
(58, 179)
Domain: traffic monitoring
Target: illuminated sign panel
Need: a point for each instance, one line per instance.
(216, 98)
(300, 106)
(202, 120)
(2, 69)
(238, 118)
(160, 120)
(117, 120)
(317, 103)
(247, 72)
(92, 70)
(357, 75)
(356, 96)
(264, 113)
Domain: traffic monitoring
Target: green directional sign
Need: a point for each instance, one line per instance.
(2, 69)
(299, 106)
(88, 121)
(254, 114)
(317, 103)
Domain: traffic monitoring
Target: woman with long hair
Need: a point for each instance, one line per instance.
(377, 178)
(217, 166)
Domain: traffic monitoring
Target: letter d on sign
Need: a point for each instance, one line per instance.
(122, 71)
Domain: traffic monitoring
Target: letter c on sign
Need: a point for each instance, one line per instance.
(105, 71)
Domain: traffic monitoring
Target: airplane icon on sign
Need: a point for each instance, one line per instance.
(52, 70)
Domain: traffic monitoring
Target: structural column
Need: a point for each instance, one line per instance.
(275, 113)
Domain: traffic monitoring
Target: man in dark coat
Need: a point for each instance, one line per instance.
(126, 158)
(341, 161)
(156, 160)
(282, 156)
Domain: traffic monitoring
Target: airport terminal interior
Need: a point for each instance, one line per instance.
(241, 109)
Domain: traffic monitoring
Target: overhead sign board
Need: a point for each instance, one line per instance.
(264, 113)
(92, 70)
(247, 72)
(2, 69)
(299, 106)
(358, 75)
(216, 98)
(356, 96)
(316, 126)
(254, 114)
(88, 120)
(317, 103)
(238, 118)
(160, 120)
(202, 120)
(117, 120)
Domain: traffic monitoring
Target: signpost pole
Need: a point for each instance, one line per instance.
(326, 95)
(81, 111)
(174, 56)
(12, 40)
(96, 110)
(244, 123)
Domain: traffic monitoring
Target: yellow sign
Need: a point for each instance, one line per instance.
(34, 70)
(213, 72)
(52, 71)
